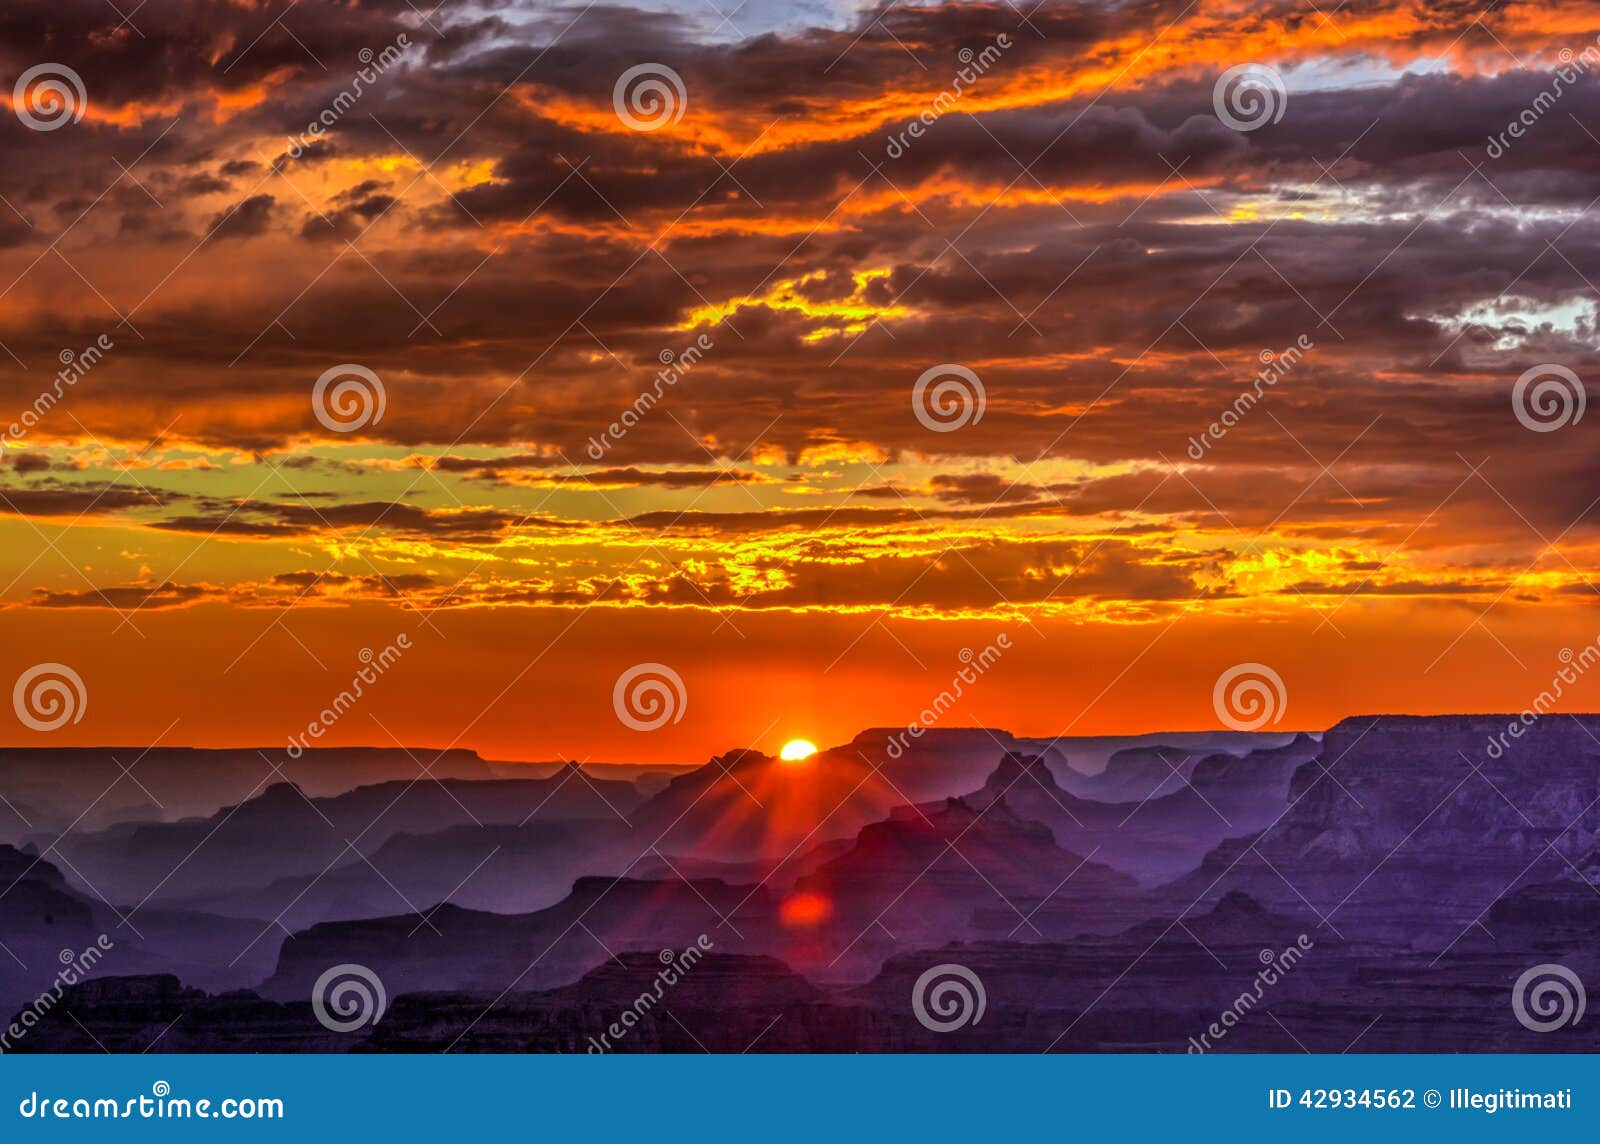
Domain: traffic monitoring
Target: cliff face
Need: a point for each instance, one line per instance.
(1410, 826)
(922, 875)
(47, 923)
(457, 949)
(57, 784)
(952, 870)
(505, 869)
(39, 917)
(283, 831)
(1425, 865)
(746, 806)
(1134, 768)
(1162, 986)
(1160, 836)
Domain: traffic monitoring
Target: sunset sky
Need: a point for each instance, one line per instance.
(1394, 526)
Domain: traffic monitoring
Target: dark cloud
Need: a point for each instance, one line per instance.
(125, 597)
(86, 499)
(30, 462)
(244, 219)
(1112, 260)
(269, 519)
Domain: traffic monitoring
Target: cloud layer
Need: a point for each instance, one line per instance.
(1263, 369)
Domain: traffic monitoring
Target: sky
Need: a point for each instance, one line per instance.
(798, 351)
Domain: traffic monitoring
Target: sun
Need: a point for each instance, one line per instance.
(796, 749)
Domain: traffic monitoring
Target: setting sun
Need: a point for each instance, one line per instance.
(796, 749)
